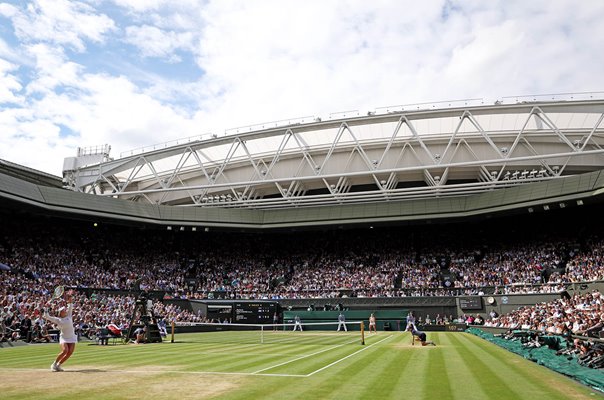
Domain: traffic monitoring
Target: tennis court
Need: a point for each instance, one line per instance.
(335, 366)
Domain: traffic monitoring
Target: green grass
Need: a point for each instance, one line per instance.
(312, 367)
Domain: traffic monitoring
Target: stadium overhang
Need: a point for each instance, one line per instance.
(568, 191)
(381, 160)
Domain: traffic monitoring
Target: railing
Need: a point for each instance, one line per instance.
(165, 145)
(94, 150)
(437, 105)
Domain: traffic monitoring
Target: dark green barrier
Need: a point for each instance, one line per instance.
(386, 320)
(547, 357)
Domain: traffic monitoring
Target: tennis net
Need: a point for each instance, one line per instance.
(317, 333)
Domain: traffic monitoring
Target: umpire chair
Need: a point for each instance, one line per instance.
(149, 321)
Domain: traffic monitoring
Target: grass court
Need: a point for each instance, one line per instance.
(233, 365)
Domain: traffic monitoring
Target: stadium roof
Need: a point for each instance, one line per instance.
(395, 154)
(29, 174)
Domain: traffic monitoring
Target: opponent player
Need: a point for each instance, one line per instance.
(342, 322)
(421, 335)
(68, 338)
(275, 321)
(410, 321)
(297, 323)
(372, 323)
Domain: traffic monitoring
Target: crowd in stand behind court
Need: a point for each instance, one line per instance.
(292, 266)
(579, 319)
(43, 256)
(21, 309)
(579, 314)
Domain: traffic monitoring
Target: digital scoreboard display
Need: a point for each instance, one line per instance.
(470, 303)
(254, 312)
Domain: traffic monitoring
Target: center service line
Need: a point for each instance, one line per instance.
(299, 358)
(350, 355)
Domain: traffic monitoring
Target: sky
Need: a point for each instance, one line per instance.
(133, 73)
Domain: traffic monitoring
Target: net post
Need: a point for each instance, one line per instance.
(172, 340)
(262, 334)
(363, 332)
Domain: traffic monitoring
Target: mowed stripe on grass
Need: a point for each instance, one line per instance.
(462, 366)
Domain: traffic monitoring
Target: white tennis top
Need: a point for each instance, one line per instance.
(65, 325)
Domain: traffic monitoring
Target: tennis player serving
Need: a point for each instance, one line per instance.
(68, 338)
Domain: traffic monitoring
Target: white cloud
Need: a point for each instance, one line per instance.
(8, 10)
(103, 110)
(62, 22)
(149, 7)
(13, 55)
(154, 42)
(52, 69)
(121, 115)
(141, 5)
(31, 141)
(9, 84)
(273, 60)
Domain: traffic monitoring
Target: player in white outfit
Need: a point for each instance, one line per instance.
(410, 321)
(297, 323)
(68, 337)
(342, 322)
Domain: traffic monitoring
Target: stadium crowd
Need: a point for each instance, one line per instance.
(21, 310)
(275, 266)
(578, 319)
(579, 314)
(38, 255)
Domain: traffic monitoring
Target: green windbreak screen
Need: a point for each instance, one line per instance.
(547, 357)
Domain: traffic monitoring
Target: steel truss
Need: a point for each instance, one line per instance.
(335, 162)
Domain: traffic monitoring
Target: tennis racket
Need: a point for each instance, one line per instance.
(58, 292)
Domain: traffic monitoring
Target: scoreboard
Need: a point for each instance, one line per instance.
(254, 312)
(470, 303)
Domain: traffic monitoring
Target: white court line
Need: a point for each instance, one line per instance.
(301, 357)
(160, 371)
(256, 373)
(348, 356)
(209, 373)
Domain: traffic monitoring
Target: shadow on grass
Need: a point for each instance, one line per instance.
(85, 371)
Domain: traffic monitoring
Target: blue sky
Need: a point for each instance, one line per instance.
(132, 73)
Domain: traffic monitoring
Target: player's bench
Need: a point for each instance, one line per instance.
(54, 334)
(104, 335)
